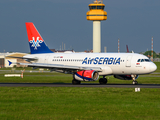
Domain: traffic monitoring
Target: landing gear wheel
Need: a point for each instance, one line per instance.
(102, 81)
(76, 82)
(135, 82)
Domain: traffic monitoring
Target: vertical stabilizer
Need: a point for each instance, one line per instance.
(36, 42)
(127, 48)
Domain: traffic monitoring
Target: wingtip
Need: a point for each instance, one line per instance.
(9, 62)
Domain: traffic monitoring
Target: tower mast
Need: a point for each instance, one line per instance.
(96, 14)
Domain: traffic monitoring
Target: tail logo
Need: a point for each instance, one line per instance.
(36, 43)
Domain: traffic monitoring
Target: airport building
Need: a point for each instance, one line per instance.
(4, 57)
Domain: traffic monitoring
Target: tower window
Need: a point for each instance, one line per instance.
(99, 7)
(94, 7)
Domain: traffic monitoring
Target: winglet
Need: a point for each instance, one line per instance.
(9, 62)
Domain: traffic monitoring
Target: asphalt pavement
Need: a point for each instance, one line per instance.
(81, 85)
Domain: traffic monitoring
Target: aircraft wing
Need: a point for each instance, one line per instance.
(60, 66)
(29, 59)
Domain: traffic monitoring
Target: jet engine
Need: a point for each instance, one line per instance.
(125, 77)
(86, 75)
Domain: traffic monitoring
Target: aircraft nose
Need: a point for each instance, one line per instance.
(153, 67)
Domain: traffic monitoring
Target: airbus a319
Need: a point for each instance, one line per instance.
(86, 66)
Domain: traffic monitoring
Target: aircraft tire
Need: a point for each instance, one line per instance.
(76, 82)
(103, 81)
(135, 82)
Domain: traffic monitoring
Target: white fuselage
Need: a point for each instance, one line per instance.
(110, 63)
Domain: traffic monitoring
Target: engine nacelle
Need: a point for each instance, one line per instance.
(125, 77)
(86, 75)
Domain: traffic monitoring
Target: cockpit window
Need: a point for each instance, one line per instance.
(143, 60)
(147, 60)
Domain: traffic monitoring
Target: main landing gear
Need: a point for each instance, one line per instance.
(134, 80)
(76, 82)
(103, 80)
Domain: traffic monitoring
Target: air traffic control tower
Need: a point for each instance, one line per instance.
(96, 14)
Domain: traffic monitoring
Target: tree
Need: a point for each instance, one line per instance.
(148, 54)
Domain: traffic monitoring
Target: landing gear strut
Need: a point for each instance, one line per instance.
(76, 82)
(134, 80)
(103, 80)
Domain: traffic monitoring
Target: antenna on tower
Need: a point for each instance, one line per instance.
(152, 50)
(118, 45)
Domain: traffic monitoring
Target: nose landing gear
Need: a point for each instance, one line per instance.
(134, 80)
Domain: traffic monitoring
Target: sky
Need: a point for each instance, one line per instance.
(134, 22)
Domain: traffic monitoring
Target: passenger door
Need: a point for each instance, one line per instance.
(128, 61)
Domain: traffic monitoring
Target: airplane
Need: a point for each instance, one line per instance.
(127, 48)
(85, 66)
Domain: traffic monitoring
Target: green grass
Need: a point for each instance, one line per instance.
(158, 66)
(65, 103)
(54, 77)
(67, 78)
(29, 103)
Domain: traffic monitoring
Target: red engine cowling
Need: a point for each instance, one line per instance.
(124, 77)
(86, 75)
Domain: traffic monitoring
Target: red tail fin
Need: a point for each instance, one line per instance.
(127, 49)
(36, 42)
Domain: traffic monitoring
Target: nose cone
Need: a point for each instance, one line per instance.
(153, 67)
